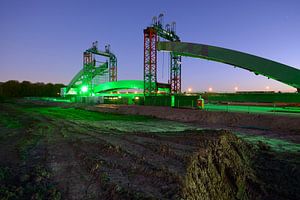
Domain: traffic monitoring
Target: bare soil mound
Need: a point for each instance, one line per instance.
(221, 169)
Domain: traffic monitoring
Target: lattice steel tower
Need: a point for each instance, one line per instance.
(151, 37)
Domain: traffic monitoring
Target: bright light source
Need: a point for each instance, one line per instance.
(84, 88)
(189, 89)
(236, 88)
(267, 87)
(210, 89)
(137, 98)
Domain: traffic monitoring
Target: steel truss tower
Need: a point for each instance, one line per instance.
(88, 68)
(112, 65)
(175, 73)
(151, 36)
(113, 69)
(150, 61)
(93, 73)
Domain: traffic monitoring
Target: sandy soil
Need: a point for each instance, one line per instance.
(55, 151)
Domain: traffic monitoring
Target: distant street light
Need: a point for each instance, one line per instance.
(210, 89)
(236, 88)
(189, 89)
(267, 87)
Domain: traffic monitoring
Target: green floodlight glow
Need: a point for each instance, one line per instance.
(84, 88)
(119, 85)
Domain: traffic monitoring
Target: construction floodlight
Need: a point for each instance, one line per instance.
(84, 89)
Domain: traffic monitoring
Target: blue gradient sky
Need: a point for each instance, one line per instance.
(44, 40)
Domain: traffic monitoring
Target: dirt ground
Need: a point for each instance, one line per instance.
(65, 151)
(272, 125)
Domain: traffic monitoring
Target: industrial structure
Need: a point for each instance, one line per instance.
(100, 78)
(152, 35)
(271, 69)
(94, 72)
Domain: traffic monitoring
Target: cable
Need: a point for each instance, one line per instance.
(163, 63)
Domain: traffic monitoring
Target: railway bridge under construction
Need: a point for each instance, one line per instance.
(98, 77)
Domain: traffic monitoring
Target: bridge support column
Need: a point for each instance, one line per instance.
(150, 61)
(175, 73)
(113, 69)
(88, 65)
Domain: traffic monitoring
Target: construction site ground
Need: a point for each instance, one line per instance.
(51, 150)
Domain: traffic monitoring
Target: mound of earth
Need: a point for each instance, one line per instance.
(203, 165)
(220, 169)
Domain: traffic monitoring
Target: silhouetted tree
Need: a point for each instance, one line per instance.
(14, 88)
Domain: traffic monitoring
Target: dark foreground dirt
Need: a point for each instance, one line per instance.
(58, 152)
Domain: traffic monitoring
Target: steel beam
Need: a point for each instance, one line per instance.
(258, 65)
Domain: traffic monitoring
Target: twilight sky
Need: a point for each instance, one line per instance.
(43, 40)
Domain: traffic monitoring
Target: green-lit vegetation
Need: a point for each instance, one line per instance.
(272, 143)
(34, 134)
(79, 114)
(253, 109)
(9, 121)
(253, 97)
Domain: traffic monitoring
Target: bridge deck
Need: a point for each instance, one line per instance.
(258, 65)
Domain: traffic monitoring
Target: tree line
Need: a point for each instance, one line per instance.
(15, 88)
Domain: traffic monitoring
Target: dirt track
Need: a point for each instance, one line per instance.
(62, 152)
(271, 125)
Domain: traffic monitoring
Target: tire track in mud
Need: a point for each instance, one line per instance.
(118, 163)
(131, 163)
(57, 153)
(85, 157)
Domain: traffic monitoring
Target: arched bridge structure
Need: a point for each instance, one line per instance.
(271, 69)
(119, 85)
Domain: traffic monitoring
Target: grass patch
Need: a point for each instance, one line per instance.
(78, 114)
(33, 136)
(275, 144)
(8, 121)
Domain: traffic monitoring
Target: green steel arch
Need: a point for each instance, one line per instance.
(119, 85)
(258, 65)
(78, 78)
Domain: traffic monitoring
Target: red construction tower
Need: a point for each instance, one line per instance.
(150, 61)
(151, 37)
